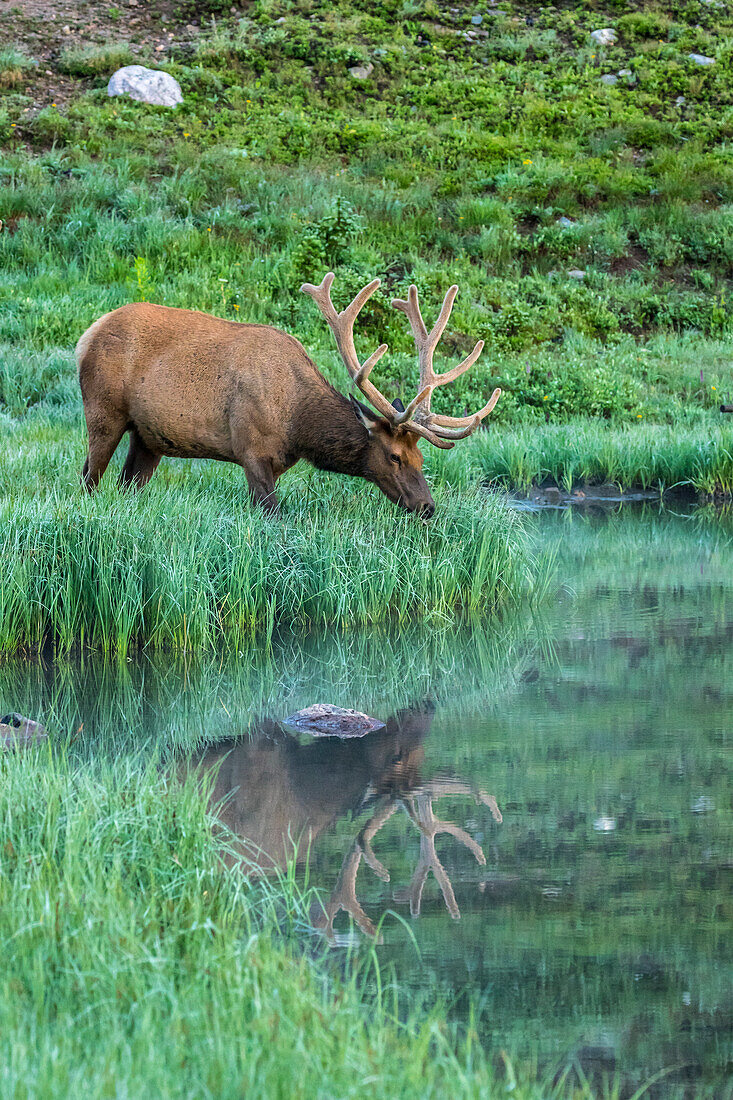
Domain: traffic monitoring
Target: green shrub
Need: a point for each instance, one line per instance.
(95, 60)
(14, 67)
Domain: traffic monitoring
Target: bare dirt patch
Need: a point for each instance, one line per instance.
(44, 31)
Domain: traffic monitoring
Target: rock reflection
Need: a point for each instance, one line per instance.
(277, 794)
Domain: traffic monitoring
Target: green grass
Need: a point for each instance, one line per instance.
(189, 563)
(134, 963)
(500, 162)
(652, 456)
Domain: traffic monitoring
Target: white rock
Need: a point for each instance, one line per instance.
(362, 72)
(604, 824)
(576, 273)
(565, 222)
(609, 78)
(146, 85)
(701, 59)
(680, 101)
(625, 72)
(604, 37)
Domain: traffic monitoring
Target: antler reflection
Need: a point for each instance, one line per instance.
(418, 805)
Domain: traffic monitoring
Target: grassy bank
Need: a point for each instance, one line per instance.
(655, 456)
(134, 964)
(189, 562)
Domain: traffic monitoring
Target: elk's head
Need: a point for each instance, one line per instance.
(394, 461)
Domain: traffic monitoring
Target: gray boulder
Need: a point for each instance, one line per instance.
(146, 85)
(362, 72)
(604, 37)
(701, 59)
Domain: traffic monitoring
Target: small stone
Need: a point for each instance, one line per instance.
(48, 72)
(701, 59)
(625, 72)
(477, 20)
(158, 49)
(576, 273)
(279, 21)
(604, 37)
(609, 78)
(604, 824)
(326, 720)
(15, 730)
(66, 29)
(146, 85)
(680, 101)
(702, 805)
(133, 3)
(565, 222)
(362, 72)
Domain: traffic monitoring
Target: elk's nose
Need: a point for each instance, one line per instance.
(428, 510)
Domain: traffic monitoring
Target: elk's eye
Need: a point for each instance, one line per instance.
(396, 459)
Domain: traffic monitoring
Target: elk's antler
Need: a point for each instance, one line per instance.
(418, 805)
(344, 897)
(446, 427)
(441, 431)
(420, 809)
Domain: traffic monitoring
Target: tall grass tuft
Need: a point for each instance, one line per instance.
(651, 456)
(188, 564)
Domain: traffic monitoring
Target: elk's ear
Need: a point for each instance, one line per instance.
(364, 414)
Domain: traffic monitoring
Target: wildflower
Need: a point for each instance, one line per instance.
(236, 307)
(208, 229)
(638, 416)
(186, 133)
(712, 387)
(545, 398)
(526, 162)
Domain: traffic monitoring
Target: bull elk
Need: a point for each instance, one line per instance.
(276, 797)
(189, 385)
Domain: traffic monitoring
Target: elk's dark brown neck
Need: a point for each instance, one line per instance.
(329, 435)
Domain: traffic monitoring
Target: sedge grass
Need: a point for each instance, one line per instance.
(135, 963)
(189, 562)
(650, 456)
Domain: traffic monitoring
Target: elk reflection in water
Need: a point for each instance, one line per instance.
(277, 795)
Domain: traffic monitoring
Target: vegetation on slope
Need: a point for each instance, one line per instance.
(483, 148)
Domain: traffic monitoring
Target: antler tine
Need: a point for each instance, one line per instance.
(344, 897)
(342, 327)
(440, 427)
(368, 833)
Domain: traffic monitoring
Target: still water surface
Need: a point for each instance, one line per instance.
(548, 808)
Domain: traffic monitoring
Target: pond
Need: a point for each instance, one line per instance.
(541, 834)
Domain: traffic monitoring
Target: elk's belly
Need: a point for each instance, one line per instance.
(181, 415)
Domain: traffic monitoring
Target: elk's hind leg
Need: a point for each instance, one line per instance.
(105, 434)
(140, 464)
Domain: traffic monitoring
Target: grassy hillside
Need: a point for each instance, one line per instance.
(589, 225)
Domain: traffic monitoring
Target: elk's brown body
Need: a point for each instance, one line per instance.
(190, 385)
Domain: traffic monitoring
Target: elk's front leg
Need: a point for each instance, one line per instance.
(261, 482)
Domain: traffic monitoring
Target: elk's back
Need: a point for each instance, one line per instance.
(186, 379)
